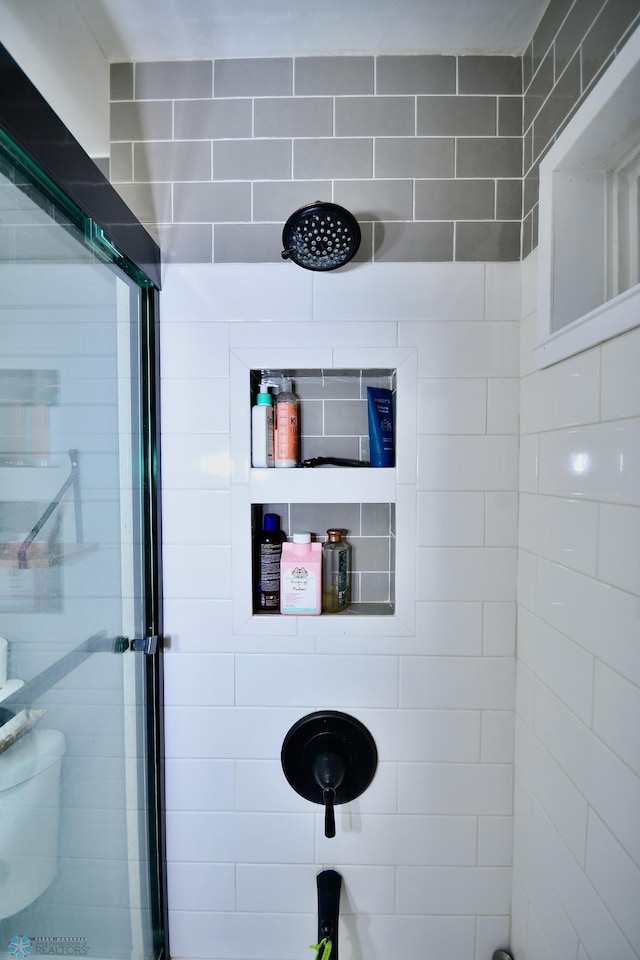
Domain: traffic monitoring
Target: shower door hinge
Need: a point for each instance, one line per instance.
(147, 645)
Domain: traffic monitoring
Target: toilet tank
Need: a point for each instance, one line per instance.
(29, 816)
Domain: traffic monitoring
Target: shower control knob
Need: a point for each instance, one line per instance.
(329, 758)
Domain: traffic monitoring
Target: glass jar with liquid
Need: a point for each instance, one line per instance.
(336, 570)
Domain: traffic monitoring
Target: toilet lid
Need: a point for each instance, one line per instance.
(29, 756)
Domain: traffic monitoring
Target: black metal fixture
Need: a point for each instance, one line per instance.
(329, 757)
(321, 236)
(328, 883)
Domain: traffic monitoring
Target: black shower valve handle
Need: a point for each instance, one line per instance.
(329, 798)
(329, 770)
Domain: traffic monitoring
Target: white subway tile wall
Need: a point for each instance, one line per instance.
(438, 701)
(426, 853)
(577, 755)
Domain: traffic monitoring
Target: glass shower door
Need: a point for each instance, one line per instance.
(78, 826)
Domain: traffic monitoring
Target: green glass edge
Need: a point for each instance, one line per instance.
(94, 237)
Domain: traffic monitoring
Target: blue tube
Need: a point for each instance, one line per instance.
(381, 438)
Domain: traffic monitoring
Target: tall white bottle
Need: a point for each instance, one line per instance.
(262, 429)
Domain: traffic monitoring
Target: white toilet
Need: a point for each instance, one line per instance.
(29, 815)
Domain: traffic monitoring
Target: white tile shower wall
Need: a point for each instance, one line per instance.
(439, 702)
(577, 783)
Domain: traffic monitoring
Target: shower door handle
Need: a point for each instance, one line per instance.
(146, 645)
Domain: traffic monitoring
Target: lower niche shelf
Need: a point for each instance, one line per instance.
(353, 610)
(369, 529)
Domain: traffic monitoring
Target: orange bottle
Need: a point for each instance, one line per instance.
(287, 427)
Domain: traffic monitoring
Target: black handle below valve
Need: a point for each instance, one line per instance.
(329, 797)
(329, 770)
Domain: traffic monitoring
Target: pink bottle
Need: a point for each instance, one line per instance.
(301, 576)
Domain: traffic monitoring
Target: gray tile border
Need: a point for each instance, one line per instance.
(141, 120)
(606, 31)
(569, 37)
(376, 199)
(479, 124)
(365, 250)
(185, 243)
(247, 243)
(344, 158)
(293, 117)
(527, 66)
(211, 202)
(527, 236)
(499, 241)
(413, 242)
(539, 89)
(527, 150)
(375, 116)
(508, 200)
(455, 200)
(121, 81)
(255, 77)
(557, 108)
(494, 75)
(419, 74)
(121, 162)
(530, 189)
(456, 116)
(151, 202)
(548, 27)
(213, 119)
(396, 158)
(509, 116)
(489, 157)
(173, 79)
(275, 201)
(184, 160)
(333, 76)
(251, 159)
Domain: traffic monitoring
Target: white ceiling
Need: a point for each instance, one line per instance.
(185, 29)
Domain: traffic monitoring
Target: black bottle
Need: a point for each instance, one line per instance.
(269, 556)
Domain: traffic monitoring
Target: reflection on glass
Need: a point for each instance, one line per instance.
(73, 804)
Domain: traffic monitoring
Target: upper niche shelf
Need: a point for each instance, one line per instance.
(308, 485)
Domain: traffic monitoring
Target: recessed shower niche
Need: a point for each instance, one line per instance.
(375, 506)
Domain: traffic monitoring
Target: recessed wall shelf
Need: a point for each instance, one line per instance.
(333, 414)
